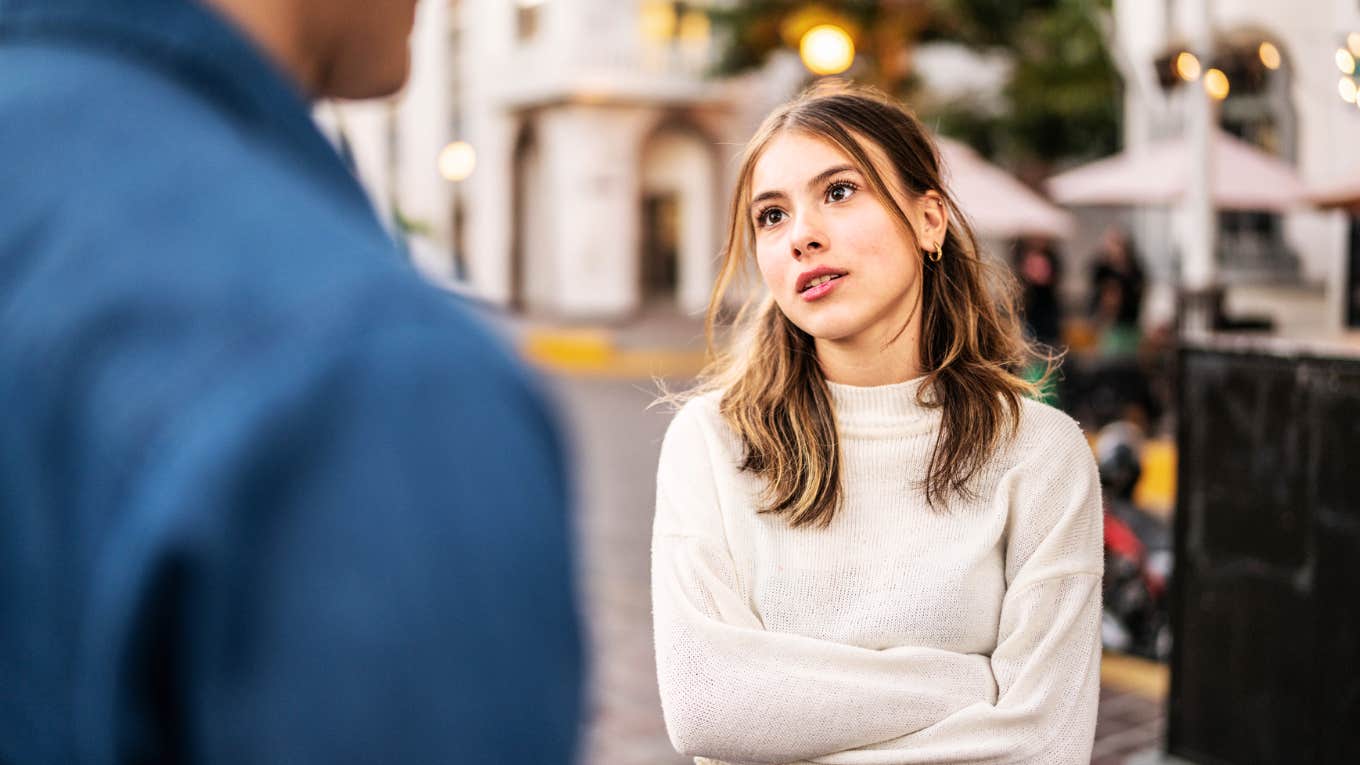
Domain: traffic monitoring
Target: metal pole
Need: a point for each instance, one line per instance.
(1199, 271)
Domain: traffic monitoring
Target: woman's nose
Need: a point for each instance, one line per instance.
(808, 235)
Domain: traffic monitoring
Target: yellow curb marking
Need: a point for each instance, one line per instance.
(592, 353)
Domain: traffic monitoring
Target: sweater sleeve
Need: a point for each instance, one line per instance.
(1047, 659)
(733, 691)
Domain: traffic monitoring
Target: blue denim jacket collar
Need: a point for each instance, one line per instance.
(189, 42)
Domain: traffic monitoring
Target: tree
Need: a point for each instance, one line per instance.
(1062, 96)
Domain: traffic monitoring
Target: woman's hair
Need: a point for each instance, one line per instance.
(773, 392)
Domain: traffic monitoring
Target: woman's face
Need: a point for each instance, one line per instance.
(839, 264)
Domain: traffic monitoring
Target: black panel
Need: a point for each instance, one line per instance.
(1266, 596)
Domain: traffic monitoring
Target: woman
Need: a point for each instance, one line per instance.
(869, 546)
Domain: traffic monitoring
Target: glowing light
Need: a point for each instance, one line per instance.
(457, 161)
(1216, 84)
(1187, 66)
(1353, 42)
(1270, 55)
(827, 49)
(658, 20)
(694, 26)
(1345, 61)
(1346, 87)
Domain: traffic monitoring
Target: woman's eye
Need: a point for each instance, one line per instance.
(840, 192)
(770, 217)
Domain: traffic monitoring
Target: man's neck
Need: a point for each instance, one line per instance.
(275, 28)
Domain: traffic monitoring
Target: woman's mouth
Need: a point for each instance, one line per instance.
(821, 286)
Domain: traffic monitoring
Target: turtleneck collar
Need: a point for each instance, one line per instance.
(882, 409)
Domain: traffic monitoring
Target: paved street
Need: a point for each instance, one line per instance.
(616, 441)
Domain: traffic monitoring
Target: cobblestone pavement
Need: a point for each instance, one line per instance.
(615, 442)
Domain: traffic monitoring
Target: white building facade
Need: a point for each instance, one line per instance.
(1290, 267)
(604, 155)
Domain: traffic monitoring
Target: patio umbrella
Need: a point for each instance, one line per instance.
(1245, 178)
(1338, 195)
(998, 205)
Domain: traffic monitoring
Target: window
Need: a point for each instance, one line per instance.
(1258, 110)
(527, 18)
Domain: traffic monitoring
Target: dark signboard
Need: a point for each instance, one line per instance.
(1266, 593)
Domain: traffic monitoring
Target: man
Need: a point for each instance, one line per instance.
(264, 496)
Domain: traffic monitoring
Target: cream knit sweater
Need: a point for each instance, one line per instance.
(898, 634)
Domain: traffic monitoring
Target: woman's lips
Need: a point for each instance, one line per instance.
(821, 290)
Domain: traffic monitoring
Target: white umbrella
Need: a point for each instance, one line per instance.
(998, 205)
(1245, 178)
(1343, 194)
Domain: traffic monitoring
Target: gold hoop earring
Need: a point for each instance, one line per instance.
(938, 254)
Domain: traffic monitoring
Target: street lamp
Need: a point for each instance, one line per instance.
(827, 49)
(457, 161)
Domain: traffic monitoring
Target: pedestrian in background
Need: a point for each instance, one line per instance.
(265, 496)
(1038, 267)
(869, 545)
(1116, 294)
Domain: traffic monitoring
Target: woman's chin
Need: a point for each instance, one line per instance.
(830, 330)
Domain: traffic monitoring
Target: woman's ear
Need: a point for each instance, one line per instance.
(934, 220)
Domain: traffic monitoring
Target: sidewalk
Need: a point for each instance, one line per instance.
(1131, 721)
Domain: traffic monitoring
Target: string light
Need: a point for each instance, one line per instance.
(1346, 87)
(1345, 61)
(1270, 55)
(1216, 83)
(1187, 66)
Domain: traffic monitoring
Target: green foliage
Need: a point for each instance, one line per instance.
(1062, 99)
(1064, 93)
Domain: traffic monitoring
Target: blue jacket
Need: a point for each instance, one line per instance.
(264, 496)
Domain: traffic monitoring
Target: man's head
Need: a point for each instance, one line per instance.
(362, 46)
(332, 48)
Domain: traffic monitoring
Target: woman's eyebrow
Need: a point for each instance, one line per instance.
(830, 172)
(816, 181)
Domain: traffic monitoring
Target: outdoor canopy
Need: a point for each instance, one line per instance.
(1244, 177)
(1343, 194)
(997, 205)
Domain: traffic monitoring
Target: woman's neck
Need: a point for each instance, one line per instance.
(868, 361)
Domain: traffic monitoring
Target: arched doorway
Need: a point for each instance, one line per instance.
(678, 218)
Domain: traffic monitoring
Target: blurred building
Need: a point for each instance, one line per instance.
(595, 160)
(1281, 67)
(591, 158)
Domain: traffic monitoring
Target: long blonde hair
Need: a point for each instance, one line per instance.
(773, 392)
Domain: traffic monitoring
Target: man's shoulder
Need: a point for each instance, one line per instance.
(101, 138)
(135, 196)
